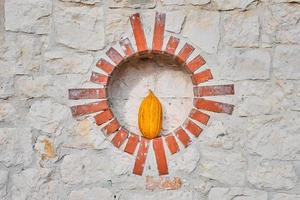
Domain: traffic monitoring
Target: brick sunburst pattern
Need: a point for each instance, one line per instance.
(135, 144)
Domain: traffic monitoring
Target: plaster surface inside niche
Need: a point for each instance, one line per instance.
(131, 81)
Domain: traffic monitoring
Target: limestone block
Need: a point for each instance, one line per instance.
(92, 169)
(283, 196)
(278, 175)
(131, 3)
(203, 29)
(241, 29)
(221, 165)
(91, 193)
(29, 86)
(6, 87)
(3, 183)
(286, 62)
(232, 4)
(280, 24)
(185, 2)
(30, 16)
(47, 115)
(80, 27)
(7, 112)
(174, 21)
(277, 138)
(61, 62)
(16, 147)
(243, 64)
(235, 192)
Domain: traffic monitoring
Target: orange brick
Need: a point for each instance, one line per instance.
(213, 106)
(120, 137)
(172, 144)
(132, 142)
(103, 117)
(111, 127)
(183, 137)
(172, 45)
(160, 156)
(214, 90)
(87, 93)
(192, 128)
(138, 32)
(84, 109)
(105, 66)
(141, 157)
(202, 77)
(99, 78)
(159, 29)
(195, 64)
(199, 116)
(114, 55)
(127, 47)
(185, 52)
(165, 183)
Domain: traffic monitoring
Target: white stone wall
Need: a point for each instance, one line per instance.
(49, 46)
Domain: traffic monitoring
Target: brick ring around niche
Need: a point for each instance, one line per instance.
(135, 144)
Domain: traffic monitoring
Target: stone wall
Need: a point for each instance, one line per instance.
(50, 46)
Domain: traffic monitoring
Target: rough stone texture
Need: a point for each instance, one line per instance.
(272, 174)
(282, 196)
(203, 27)
(280, 24)
(236, 193)
(35, 15)
(79, 26)
(243, 64)
(92, 194)
(232, 4)
(286, 62)
(16, 146)
(242, 25)
(50, 46)
(221, 166)
(60, 62)
(47, 115)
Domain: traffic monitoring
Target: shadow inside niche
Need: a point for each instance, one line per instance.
(131, 81)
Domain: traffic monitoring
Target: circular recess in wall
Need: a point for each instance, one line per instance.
(170, 56)
(130, 81)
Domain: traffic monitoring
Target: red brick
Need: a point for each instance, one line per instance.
(111, 127)
(141, 157)
(160, 156)
(87, 93)
(114, 55)
(214, 90)
(132, 142)
(183, 137)
(213, 106)
(138, 32)
(166, 183)
(84, 109)
(202, 77)
(105, 66)
(199, 116)
(172, 45)
(159, 29)
(192, 128)
(120, 137)
(99, 78)
(195, 64)
(172, 144)
(127, 47)
(185, 52)
(103, 117)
